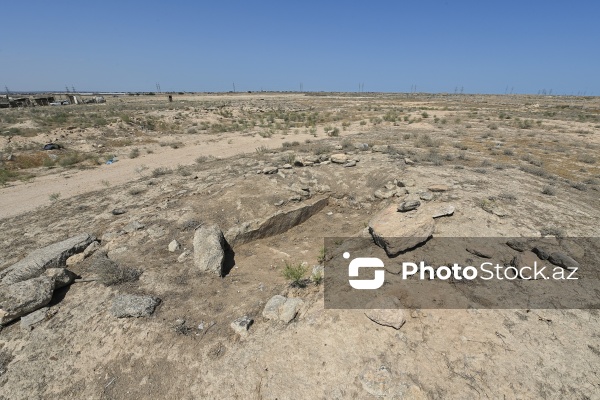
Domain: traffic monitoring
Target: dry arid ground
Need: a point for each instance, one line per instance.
(511, 166)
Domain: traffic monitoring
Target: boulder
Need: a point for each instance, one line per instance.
(209, 249)
(54, 255)
(396, 232)
(21, 298)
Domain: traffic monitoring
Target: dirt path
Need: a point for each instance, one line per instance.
(24, 197)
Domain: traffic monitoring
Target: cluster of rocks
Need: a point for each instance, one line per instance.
(400, 227)
(29, 284)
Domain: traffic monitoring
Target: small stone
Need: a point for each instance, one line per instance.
(409, 205)
(438, 188)
(563, 261)
(405, 182)
(133, 226)
(269, 170)
(338, 147)
(427, 196)
(287, 166)
(271, 310)
(241, 325)
(541, 252)
(361, 146)
(91, 249)
(517, 245)
(339, 158)
(129, 305)
(174, 246)
(75, 259)
(481, 252)
(380, 148)
(279, 203)
(408, 161)
(184, 256)
(118, 211)
(443, 211)
(382, 194)
(351, 163)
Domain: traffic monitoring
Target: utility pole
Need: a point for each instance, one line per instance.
(7, 91)
(233, 87)
(66, 87)
(73, 88)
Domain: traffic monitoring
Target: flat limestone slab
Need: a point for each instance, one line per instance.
(396, 232)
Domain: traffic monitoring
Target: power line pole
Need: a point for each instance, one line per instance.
(7, 91)
(66, 87)
(233, 87)
(73, 88)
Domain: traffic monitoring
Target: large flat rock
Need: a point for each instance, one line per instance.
(52, 256)
(396, 232)
(276, 224)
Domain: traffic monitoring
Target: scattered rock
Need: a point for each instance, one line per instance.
(438, 188)
(386, 311)
(541, 252)
(133, 226)
(380, 148)
(426, 196)
(443, 211)
(339, 158)
(382, 194)
(29, 320)
(405, 182)
(282, 308)
(75, 259)
(481, 251)
(184, 256)
(361, 146)
(60, 276)
(396, 232)
(130, 305)
(209, 249)
(54, 255)
(91, 249)
(338, 147)
(118, 211)
(277, 223)
(174, 246)
(517, 245)
(241, 325)
(409, 205)
(563, 261)
(408, 161)
(21, 298)
(351, 163)
(269, 170)
(271, 310)
(287, 166)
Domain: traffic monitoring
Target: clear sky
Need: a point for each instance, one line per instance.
(482, 46)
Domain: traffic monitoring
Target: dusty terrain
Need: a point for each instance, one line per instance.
(514, 166)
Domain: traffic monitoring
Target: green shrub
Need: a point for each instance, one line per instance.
(295, 273)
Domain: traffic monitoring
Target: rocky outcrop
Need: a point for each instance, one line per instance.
(274, 225)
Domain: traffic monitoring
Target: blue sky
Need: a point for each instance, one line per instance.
(480, 46)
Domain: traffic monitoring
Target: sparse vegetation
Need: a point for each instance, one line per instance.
(295, 272)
